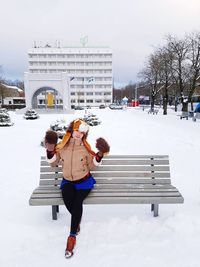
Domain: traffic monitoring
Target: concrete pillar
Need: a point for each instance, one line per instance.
(27, 90)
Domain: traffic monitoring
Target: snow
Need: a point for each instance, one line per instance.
(13, 87)
(111, 235)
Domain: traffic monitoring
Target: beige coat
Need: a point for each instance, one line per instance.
(75, 159)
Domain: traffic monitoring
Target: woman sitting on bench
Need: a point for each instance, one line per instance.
(77, 160)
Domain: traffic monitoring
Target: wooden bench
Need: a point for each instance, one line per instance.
(121, 179)
(184, 115)
(153, 111)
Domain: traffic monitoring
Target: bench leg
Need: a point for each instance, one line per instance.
(155, 210)
(54, 212)
(57, 209)
(152, 207)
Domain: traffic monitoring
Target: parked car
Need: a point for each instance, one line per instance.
(102, 106)
(31, 114)
(78, 108)
(72, 106)
(115, 106)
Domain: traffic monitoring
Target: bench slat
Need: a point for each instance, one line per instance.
(116, 180)
(97, 174)
(117, 187)
(44, 169)
(114, 194)
(139, 162)
(110, 200)
(135, 162)
(97, 189)
(128, 156)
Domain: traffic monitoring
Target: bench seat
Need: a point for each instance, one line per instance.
(153, 111)
(121, 179)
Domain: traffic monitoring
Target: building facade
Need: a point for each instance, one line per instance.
(75, 76)
(11, 97)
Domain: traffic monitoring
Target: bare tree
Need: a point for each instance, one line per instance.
(165, 63)
(151, 75)
(194, 64)
(178, 49)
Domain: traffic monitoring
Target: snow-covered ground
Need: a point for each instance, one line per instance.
(111, 235)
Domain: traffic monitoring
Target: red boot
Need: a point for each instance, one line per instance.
(71, 242)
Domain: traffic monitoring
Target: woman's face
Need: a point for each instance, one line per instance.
(77, 135)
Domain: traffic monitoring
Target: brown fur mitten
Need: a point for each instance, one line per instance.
(102, 145)
(51, 137)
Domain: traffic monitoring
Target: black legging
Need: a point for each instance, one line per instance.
(73, 200)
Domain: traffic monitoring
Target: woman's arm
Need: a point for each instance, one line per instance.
(104, 148)
(51, 139)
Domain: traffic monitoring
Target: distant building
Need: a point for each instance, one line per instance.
(14, 102)
(12, 91)
(12, 97)
(66, 77)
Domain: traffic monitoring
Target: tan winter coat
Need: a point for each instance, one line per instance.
(75, 159)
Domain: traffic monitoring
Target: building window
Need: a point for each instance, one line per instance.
(41, 101)
(89, 93)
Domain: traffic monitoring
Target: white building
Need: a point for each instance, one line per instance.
(76, 76)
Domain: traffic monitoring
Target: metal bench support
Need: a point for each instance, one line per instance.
(55, 209)
(154, 208)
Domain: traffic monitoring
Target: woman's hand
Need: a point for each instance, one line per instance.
(50, 140)
(102, 146)
(50, 147)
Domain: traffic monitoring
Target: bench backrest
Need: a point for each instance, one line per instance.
(118, 169)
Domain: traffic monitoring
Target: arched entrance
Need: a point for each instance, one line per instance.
(47, 98)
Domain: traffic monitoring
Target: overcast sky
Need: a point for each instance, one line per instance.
(131, 28)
